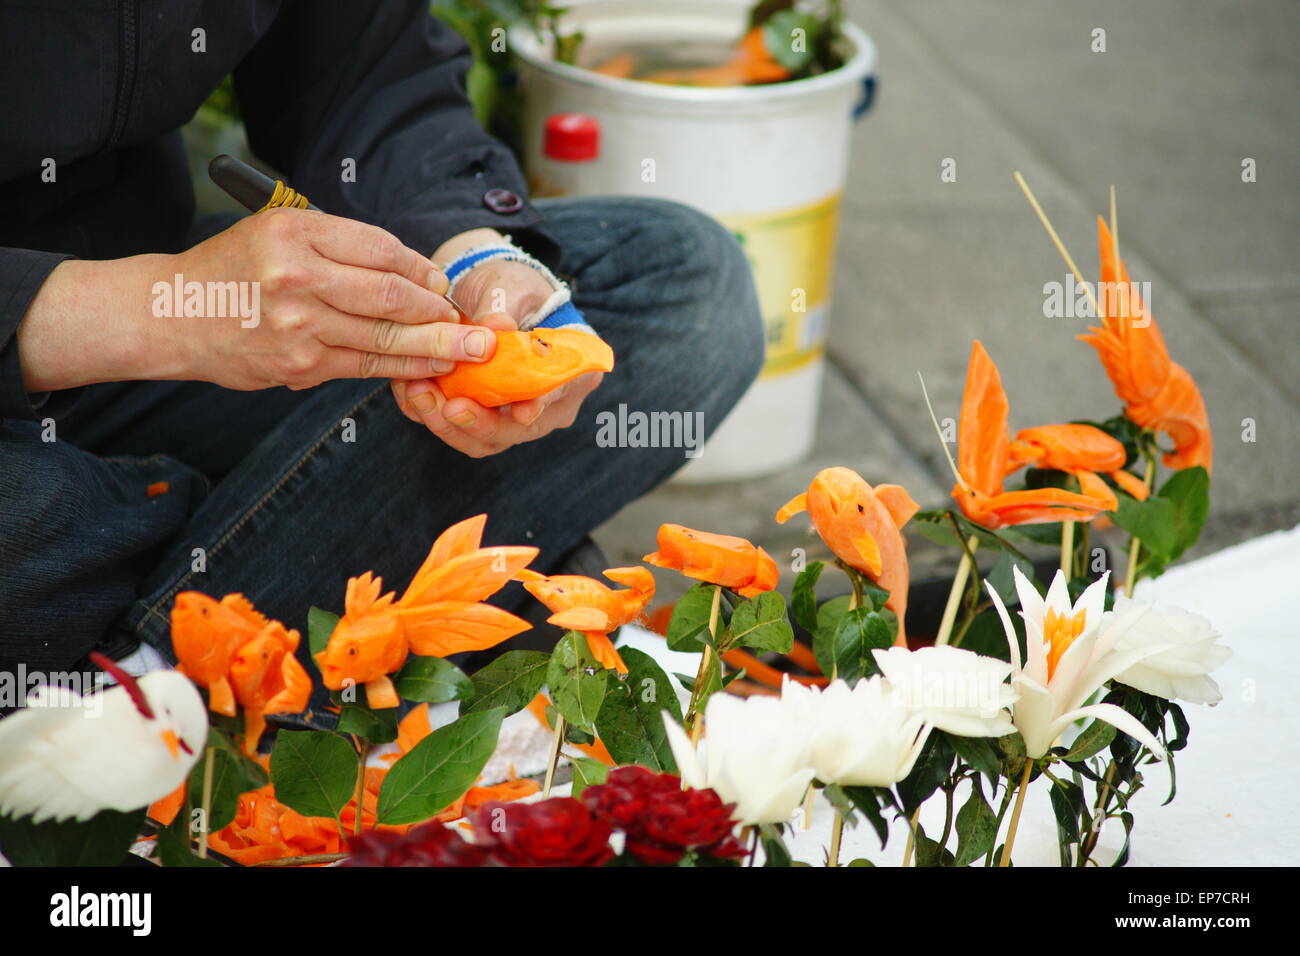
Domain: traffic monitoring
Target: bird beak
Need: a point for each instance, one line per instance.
(173, 743)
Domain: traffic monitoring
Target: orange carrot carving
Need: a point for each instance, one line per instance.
(862, 526)
(1157, 392)
(440, 613)
(528, 364)
(715, 558)
(584, 604)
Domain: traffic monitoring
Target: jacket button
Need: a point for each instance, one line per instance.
(503, 201)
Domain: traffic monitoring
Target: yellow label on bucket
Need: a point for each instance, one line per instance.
(792, 253)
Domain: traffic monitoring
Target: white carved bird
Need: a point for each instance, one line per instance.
(67, 756)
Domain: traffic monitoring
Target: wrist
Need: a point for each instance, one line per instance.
(461, 243)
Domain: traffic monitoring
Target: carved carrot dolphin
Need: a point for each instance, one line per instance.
(716, 558)
(528, 364)
(860, 524)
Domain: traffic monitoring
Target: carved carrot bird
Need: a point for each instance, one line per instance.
(862, 526)
(528, 364)
(1157, 392)
(985, 457)
(715, 558)
(1079, 450)
(584, 604)
(441, 612)
(241, 657)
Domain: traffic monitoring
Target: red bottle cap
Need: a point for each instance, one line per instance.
(572, 137)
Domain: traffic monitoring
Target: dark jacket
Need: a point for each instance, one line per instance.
(101, 87)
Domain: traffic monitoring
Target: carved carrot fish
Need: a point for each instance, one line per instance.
(1157, 392)
(716, 558)
(861, 525)
(593, 608)
(440, 614)
(241, 656)
(528, 364)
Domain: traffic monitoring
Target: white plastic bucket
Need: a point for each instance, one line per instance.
(768, 161)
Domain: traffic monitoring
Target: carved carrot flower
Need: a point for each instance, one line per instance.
(862, 526)
(584, 604)
(440, 614)
(1158, 393)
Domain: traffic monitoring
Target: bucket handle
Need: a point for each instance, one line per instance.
(868, 97)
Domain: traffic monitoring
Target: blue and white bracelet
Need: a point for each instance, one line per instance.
(557, 312)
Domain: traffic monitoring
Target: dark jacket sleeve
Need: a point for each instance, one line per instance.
(22, 272)
(380, 83)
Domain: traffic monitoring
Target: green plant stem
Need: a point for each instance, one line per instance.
(837, 834)
(362, 753)
(1094, 833)
(1135, 546)
(556, 744)
(1015, 814)
(693, 711)
(997, 824)
(208, 759)
(955, 593)
(304, 860)
(911, 837)
(948, 790)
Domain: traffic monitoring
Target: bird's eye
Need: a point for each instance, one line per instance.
(352, 651)
(861, 510)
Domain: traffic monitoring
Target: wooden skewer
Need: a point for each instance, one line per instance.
(1060, 246)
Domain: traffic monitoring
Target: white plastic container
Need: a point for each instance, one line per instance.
(768, 161)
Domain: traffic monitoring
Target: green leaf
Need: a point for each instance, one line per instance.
(175, 848)
(860, 861)
(439, 768)
(858, 633)
(376, 725)
(314, 772)
(1095, 737)
(1153, 521)
(1002, 580)
(577, 681)
(691, 618)
(510, 682)
(103, 840)
(232, 774)
(929, 853)
(803, 599)
(1012, 749)
(587, 773)
(977, 828)
(1189, 491)
(829, 616)
(432, 680)
(793, 50)
(1069, 805)
(320, 625)
(978, 753)
(928, 775)
(631, 724)
(867, 799)
(761, 623)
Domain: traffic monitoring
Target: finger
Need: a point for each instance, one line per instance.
(483, 424)
(398, 387)
(428, 401)
(356, 243)
(382, 294)
(356, 363)
(443, 342)
(496, 320)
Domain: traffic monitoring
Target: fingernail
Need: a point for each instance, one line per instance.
(439, 367)
(536, 415)
(475, 343)
(464, 420)
(437, 281)
(425, 402)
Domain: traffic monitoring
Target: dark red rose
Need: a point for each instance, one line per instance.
(660, 820)
(430, 844)
(555, 832)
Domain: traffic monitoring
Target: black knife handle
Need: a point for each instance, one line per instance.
(246, 185)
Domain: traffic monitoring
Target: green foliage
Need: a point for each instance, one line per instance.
(761, 623)
(103, 840)
(439, 768)
(977, 827)
(844, 647)
(232, 774)
(432, 680)
(509, 682)
(577, 681)
(803, 598)
(314, 772)
(803, 38)
(587, 773)
(688, 628)
(630, 722)
(1169, 522)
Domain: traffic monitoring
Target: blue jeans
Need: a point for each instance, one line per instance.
(267, 498)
